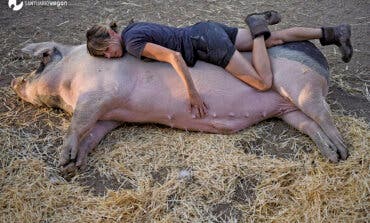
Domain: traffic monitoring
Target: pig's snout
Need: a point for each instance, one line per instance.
(15, 83)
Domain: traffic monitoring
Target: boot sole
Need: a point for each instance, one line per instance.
(263, 14)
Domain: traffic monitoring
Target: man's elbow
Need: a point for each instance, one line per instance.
(175, 57)
(265, 86)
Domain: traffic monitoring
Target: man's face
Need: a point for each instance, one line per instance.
(115, 48)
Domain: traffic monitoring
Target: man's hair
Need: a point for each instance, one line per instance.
(98, 38)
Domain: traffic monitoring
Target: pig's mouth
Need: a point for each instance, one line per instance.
(17, 85)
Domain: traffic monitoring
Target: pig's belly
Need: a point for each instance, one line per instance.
(226, 116)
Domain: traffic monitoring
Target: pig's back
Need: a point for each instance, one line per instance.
(303, 52)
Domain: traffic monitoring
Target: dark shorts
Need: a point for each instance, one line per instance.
(213, 42)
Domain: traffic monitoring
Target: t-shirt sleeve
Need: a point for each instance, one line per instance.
(135, 43)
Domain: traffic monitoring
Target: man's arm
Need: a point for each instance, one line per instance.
(157, 52)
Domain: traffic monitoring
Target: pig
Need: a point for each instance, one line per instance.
(104, 93)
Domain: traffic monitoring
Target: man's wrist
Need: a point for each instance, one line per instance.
(192, 92)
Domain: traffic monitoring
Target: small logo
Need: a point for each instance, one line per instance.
(13, 4)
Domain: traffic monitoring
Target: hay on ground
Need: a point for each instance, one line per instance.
(155, 173)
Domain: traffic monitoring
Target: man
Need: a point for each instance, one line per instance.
(214, 43)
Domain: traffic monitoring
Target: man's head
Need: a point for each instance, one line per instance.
(104, 41)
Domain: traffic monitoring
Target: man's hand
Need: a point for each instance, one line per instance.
(196, 106)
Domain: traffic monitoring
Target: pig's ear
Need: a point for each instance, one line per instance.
(36, 49)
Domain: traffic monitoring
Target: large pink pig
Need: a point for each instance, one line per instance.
(103, 93)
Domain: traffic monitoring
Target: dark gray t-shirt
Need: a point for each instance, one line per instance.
(136, 35)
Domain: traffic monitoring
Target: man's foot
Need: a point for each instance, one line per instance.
(341, 37)
(258, 22)
(270, 17)
(343, 33)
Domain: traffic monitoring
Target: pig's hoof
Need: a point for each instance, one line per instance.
(343, 154)
(333, 158)
(69, 170)
(65, 155)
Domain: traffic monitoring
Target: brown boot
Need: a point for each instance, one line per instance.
(257, 23)
(341, 37)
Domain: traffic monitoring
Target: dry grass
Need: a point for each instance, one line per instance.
(158, 174)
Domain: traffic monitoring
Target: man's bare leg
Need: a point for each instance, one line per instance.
(244, 41)
(339, 35)
(258, 74)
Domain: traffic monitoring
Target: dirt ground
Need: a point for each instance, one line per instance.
(273, 140)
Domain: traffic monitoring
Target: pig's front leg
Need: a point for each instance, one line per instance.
(87, 112)
(89, 142)
(92, 139)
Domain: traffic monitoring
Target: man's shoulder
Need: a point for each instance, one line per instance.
(142, 26)
(132, 26)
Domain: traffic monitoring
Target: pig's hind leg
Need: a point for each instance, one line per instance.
(306, 125)
(313, 104)
(308, 94)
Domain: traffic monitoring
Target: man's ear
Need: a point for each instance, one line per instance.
(112, 33)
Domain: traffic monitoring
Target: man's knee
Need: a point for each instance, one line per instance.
(244, 41)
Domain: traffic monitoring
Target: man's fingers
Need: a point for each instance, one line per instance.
(194, 111)
(201, 112)
(205, 105)
(205, 109)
